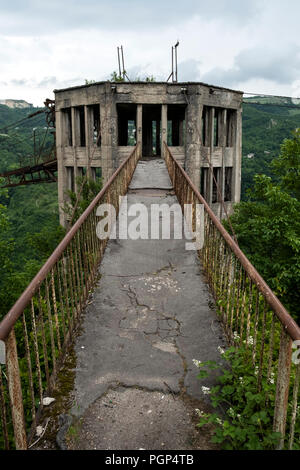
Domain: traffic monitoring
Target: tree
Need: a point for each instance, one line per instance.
(287, 165)
(114, 77)
(8, 276)
(79, 202)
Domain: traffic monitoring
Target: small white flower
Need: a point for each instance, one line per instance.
(221, 350)
(250, 340)
(196, 362)
(238, 416)
(219, 421)
(205, 390)
(231, 412)
(199, 413)
(236, 337)
(241, 379)
(256, 370)
(272, 378)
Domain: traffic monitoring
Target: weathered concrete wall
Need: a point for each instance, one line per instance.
(211, 137)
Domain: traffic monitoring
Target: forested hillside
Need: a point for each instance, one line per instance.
(29, 214)
(31, 209)
(265, 126)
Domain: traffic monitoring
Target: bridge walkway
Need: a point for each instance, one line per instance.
(151, 314)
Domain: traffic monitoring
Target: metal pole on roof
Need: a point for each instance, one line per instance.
(123, 64)
(176, 66)
(172, 64)
(119, 62)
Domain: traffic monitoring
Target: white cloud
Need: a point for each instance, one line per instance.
(228, 42)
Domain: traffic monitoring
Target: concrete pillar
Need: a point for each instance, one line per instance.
(88, 139)
(207, 128)
(223, 124)
(164, 125)
(139, 124)
(109, 133)
(193, 140)
(211, 151)
(237, 157)
(75, 139)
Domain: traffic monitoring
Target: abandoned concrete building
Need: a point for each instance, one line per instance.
(98, 124)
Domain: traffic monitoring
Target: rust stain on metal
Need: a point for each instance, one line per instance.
(15, 391)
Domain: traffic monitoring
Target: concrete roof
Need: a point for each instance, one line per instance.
(149, 84)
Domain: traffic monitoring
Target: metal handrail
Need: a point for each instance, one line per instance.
(11, 317)
(291, 327)
(251, 313)
(39, 328)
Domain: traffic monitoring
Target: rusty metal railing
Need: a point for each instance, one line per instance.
(252, 315)
(37, 331)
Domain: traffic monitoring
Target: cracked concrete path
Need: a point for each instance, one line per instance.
(151, 315)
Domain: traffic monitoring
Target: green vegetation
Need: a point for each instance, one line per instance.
(115, 77)
(78, 203)
(265, 126)
(30, 225)
(267, 226)
(244, 417)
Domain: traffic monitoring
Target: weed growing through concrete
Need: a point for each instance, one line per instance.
(244, 420)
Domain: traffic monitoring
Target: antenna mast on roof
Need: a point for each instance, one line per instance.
(122, 71)
(174, 73)
(120, 74)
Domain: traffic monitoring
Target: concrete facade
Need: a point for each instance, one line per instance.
(98, 124)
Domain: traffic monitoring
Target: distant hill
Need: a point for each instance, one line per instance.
(274, 100)
(20, 104)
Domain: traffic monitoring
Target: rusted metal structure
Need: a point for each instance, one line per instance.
(44, 168)
(41, 173)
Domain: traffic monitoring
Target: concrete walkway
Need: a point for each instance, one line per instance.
(151, 315)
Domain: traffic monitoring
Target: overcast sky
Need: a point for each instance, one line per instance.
(250, 45)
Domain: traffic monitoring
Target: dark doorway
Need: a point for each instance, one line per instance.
(151, 130)
(176, 125)
(126, 124)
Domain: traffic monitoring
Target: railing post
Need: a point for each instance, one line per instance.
(15, 391)
(282, 386)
